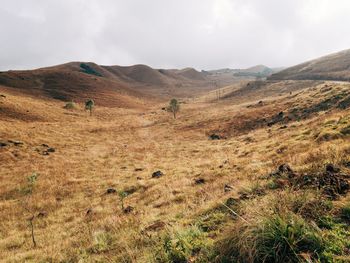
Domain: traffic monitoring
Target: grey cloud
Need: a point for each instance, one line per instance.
(205, 34)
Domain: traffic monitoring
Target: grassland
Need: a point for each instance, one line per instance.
(215, 199)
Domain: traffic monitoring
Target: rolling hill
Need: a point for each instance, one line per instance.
(332, 67)
(109, 85)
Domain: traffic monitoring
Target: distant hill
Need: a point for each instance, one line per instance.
(114, 85)
(230, 76)
(332, 67)
(109, 85)
(259, 71)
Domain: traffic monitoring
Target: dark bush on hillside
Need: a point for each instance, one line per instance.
(89, 70)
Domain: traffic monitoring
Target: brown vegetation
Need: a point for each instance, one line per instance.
(93, 198)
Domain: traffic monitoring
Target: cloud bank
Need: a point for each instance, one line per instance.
(205, 34)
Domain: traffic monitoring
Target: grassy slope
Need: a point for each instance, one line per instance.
(103, 151)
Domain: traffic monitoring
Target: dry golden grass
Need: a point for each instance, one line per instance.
(95, 153)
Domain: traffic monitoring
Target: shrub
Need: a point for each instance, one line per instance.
(89, 105)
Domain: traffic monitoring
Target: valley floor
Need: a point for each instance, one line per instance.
(85, 183)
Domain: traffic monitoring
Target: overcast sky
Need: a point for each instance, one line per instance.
(205, 34)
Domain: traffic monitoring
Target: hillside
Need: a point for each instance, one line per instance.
(67, 83)
(332, 67)
(227, 168)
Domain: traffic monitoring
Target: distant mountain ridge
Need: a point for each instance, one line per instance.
(258, 71)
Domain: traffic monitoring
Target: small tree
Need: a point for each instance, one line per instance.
(89, 105)
(174, 107)
(28, 202)
(122, 196)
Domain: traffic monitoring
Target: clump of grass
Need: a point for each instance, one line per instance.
(102, 242)
(212, 220)
(184, 245)
(70, 105)
(328, 135)
(31, 180)
(274, 238)
(309, 205)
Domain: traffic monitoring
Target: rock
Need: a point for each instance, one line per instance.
(45, 145)
(332, 168)
(138, 169)
(346, 164)
(227, 188)
(111, 191)
(282, 183)
(128, 209)
(15, 143)
(157, 174)
(332, 184)
(276, 119)
(50, 150)
(2, 96)
(3, 144)
(130, 190)
(215, 137)
(138, 178)
(283, 127)
(89, 211)
(283, 169)
(199, 181)
(244, 196)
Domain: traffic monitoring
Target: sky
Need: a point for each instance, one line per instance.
(204, 34)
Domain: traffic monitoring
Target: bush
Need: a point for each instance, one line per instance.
(274, 238)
